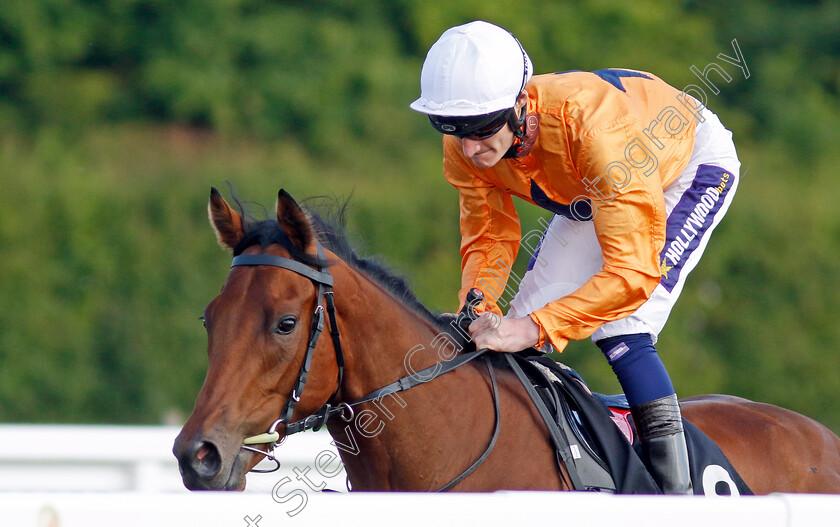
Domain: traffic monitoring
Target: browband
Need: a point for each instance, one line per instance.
(284, 263)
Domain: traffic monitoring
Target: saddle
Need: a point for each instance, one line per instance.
(601, 445)
(569, 408)
(594, 435)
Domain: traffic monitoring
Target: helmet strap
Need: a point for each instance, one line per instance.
(521, 146)
(517, 124)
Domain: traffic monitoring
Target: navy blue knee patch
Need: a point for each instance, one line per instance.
(638, 367)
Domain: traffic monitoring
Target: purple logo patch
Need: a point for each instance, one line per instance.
(617, 352)
(690, 220)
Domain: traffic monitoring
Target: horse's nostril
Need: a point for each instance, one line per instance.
(207, 461)
(203, 451)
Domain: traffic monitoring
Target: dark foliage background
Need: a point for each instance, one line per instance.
(119, 115)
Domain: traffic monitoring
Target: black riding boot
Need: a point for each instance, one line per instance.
(660, 428)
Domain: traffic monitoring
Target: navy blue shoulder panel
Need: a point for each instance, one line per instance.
(582, 210)
(613, 76)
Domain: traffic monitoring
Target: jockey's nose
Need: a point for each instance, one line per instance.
(470, 146)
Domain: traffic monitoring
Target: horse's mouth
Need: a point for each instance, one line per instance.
(206, 469)
(235, 480)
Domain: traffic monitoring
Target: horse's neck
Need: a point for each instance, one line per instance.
(385, 339)
(386, 445)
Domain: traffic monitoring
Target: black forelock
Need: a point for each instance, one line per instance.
(268, 232)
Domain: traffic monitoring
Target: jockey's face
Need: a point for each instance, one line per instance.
(486, 152)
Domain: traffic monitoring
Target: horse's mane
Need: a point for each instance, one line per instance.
(327, 218)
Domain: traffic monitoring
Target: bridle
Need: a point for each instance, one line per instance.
(322, 278)
(324, 282)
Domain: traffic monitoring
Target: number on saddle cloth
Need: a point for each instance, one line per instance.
(711, 472)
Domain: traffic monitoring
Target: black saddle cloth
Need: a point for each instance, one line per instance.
(711, 471)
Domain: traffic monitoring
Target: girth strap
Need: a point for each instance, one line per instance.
(561, 443)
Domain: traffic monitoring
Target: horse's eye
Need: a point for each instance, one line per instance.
(203, 321)
(286, 325)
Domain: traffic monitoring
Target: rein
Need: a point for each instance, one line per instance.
(324, 281)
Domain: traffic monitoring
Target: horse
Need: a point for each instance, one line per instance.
(260, 332)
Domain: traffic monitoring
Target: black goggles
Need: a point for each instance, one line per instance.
(474, 126)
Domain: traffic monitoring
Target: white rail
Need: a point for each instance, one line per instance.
(91, 476)
(72, 458)
(209, 509)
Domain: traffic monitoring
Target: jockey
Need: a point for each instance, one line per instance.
(637, 174)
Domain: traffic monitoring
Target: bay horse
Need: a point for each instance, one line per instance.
(260, 346)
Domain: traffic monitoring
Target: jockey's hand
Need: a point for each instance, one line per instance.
(504, 334)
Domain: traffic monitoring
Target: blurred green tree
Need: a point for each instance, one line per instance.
(120, 114)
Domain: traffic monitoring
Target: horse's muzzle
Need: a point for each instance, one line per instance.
(202, 466)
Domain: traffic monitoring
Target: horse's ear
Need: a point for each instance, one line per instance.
(293, 221)
(225, 221)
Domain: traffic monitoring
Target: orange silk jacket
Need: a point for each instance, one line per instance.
(602, 146)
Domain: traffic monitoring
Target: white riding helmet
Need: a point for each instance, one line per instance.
(474, 69)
